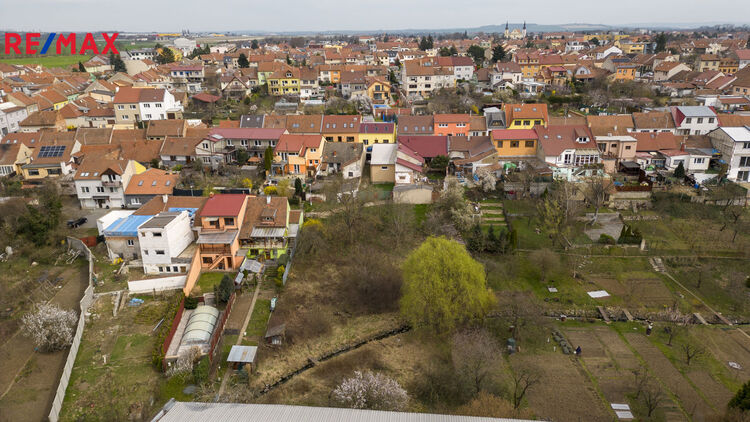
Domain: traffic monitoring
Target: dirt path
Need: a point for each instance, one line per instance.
(28, 380)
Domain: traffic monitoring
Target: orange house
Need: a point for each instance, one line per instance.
(298, 154)
(452, 124)
(625, 72)
(218, 225)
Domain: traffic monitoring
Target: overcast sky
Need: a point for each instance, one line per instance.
(320, 15)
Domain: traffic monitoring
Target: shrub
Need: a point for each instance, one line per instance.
(282, 260)
(294, 200)
(280, 271)
(200, 371)
(606, 239)
(191, 302)
(270, 190)
(157, 357)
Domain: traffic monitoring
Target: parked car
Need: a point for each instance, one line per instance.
(72, 224)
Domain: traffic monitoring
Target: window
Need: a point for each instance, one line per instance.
(527, 122)
(100, 189)
(442, 124)
(206, 160)
(499, 144)
(529, 144)
(131, 242)
(158, 105)
(147, 106)
(124, 117)
(161, 269)
(383, 167)
(746, 145)
(710, 120)
(157, 234)
(167, 269)
(121, 107)
(160, 252)
(132, 106)
(689, 120)
(148, 116)
(85, 189)
(744, 161)
(699, 160)
(627, 147)
(228, 221)
(112, 190)
(700, 120)
(514, 144)
(175, 269)
(537, 122)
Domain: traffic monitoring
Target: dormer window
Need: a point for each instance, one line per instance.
(582, 140)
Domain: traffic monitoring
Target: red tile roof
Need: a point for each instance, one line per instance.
(426, 146)
(513, 134)
(222, 205)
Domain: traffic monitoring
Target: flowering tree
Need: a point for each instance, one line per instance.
(366, 390)
(50, 327)
(487, 180)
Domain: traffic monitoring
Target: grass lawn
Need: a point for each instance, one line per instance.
(258, 321)
(421, 212)
(48, 61)
(520, 206)
(207, 281)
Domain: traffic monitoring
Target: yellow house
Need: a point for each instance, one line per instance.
(265, 69)
(625, 73)
(51, 158)
(58, 100)
(379, 91)
(525, 116)
(377, 133)
(285, 81)
(512, 143)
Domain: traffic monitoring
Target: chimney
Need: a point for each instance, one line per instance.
(682, 146)
(165, 198)
(268, 200)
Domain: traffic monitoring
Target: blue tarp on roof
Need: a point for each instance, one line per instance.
(127, 226)
(191, 211)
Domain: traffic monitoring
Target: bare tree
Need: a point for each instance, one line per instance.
(640, 381)
(400, 221)
(545, 260)
(474, 354)
(597, 190)
(522, 381)
(50, 327)
(351, 213)
(653, 396)
(676, 324)
(692, 351)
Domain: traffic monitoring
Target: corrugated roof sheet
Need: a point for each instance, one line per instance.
(127, 227)
(242, 354)
(268, 232)
(215, 412)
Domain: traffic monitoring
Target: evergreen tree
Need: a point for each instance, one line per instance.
(477, 53)
(661, 42)
(242, 61)
(298, 187)
(268, 159)
(117, 63)
(430, 42)
(453, 50)
(166, 56)
(254, 45)
(81, 68)
(498, 53)
(679, 172)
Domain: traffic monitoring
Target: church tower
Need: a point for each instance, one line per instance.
(507, 32)
(524, 29)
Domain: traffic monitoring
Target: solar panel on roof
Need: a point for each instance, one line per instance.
(51, 151)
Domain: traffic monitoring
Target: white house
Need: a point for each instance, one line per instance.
(10, 116)
(734, 145)
(158, 104)
(694, 120)
(163, 239)
(100, 182)
(693, 160)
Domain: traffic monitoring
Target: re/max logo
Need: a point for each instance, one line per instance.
(13, 43)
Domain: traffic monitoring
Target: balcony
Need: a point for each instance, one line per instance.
(112, 184)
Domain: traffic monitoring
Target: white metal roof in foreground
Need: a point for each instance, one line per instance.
(209, 412)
